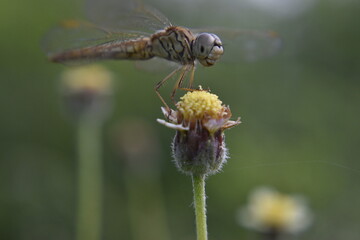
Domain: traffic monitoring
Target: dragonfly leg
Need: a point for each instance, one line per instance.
(192, 73)
(159, 84)
(179, 82)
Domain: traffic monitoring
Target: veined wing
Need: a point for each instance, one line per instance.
(73, 34)
(125, 14)
(157, 65)
(246, 45)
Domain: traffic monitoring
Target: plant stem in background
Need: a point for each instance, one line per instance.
(139, 148)
(89, 181)
(200, 205)
(271, 235)
(87, 95)
(146, 208)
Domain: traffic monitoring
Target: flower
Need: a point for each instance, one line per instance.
(87, 91)
(269, 211)
(200, 120)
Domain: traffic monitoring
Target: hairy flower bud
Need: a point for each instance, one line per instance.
(199, 143)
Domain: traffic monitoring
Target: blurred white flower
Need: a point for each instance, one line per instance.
(269, 210)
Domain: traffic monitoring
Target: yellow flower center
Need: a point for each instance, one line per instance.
(279, 211)
(92, 77)
(194, 105)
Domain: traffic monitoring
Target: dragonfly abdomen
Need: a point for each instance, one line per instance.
(138, 49)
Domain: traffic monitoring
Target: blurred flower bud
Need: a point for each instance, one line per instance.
(87, 92)
(136, 142)
(271, 212)
(199, 143)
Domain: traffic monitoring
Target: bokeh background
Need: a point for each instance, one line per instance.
(300, 131)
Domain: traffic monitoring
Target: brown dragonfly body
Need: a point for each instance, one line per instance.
(173, 43)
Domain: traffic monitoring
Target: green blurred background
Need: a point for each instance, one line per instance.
(300, 131)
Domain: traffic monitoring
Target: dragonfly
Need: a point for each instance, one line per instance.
(131, 30)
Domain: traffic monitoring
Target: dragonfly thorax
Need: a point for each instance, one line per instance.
(173, 43)
(207, 48)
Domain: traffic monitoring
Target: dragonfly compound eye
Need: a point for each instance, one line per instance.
(207, 48)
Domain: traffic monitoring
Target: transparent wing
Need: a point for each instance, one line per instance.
(246, 45)
(125, 14)
(156, 65)
(73, 34)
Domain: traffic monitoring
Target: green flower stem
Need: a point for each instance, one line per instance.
(200, 206)
(89, 181)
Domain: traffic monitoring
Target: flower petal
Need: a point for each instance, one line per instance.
(172, 125)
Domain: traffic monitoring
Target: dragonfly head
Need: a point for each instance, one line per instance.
(207, 48)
